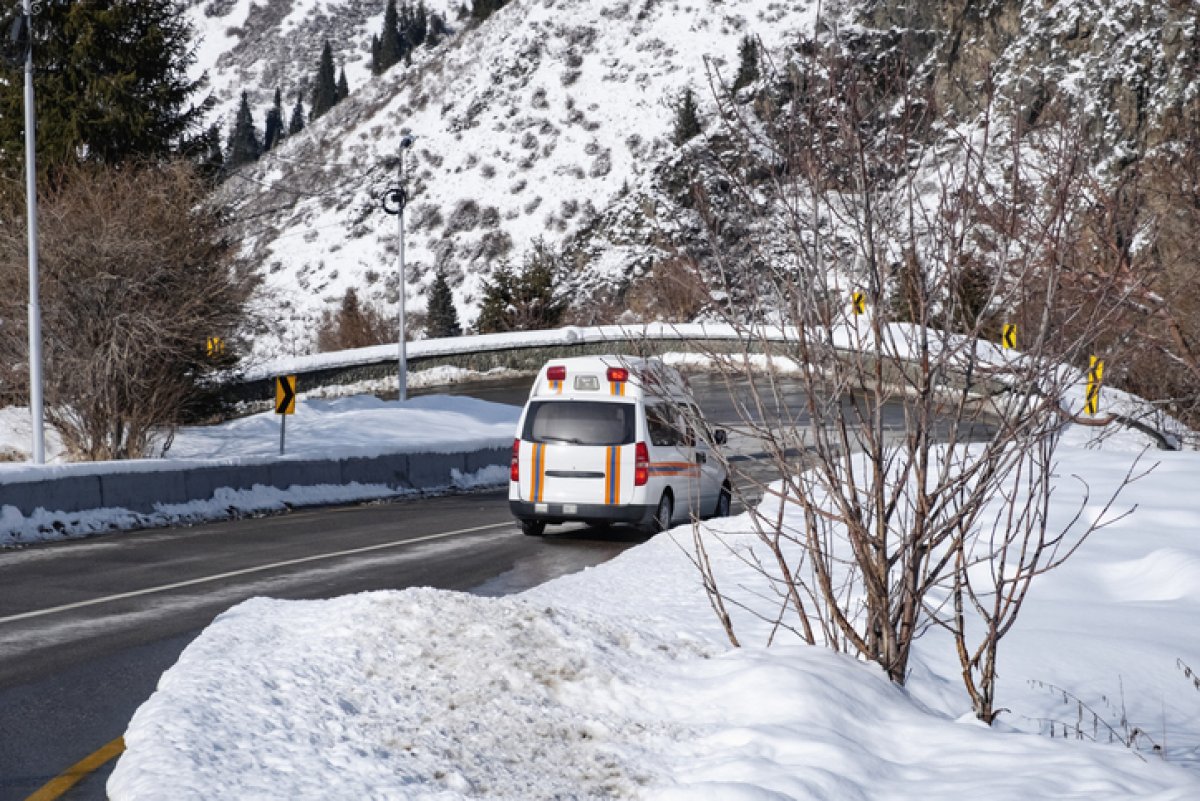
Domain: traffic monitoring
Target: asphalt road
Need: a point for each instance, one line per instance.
(74, 670)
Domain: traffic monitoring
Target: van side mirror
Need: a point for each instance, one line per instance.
(719, 436)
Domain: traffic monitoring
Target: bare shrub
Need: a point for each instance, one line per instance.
(601, 165)
(914, 476)
(425, 217)
(494, 245)
(465, 217)
(354, 325)
(136, 274)
(672, 292)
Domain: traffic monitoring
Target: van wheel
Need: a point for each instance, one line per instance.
(534, 528)
(662, 515)
(724, 503)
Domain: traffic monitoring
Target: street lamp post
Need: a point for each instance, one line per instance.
(35, 314)
(394, 202)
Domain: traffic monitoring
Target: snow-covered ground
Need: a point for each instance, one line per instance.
(359, 426)
(618, 683)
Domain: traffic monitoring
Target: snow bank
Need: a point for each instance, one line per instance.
(617, 683)
(343, 428)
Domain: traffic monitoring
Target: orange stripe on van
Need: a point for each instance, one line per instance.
(539, 472)
(618, 387)
(674, 469)
(612, 475)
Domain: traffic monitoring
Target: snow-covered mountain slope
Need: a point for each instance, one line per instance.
(526, 126)
(552, 119)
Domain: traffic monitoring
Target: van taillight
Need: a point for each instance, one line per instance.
(556, 373)
(514, 470)
(641, 465)
(618, 374)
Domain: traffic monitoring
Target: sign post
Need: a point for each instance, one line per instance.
(285, 404)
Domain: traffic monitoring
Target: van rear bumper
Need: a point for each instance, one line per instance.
(583, 512)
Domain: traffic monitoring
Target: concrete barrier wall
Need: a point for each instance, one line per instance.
(140, 491)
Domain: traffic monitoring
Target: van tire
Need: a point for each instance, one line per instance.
(662, 515)
(534, 528)
(724, 502)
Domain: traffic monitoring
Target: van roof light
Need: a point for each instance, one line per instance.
(557, 372)
(618, 374)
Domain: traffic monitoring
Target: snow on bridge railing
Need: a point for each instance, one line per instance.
(423, 349)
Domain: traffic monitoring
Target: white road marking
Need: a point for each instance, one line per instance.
(246, 571)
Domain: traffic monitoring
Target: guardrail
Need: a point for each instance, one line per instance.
(523, 350)
(520, 350)
(146, 487)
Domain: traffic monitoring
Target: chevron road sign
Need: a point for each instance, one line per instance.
(858, 302)
(1094, 377)
(285, 404)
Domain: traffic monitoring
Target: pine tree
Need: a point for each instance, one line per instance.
(414, 26)
(494, 308)
(441, 317)
(244, 146)
(420, 24)
(376, 56)
(324, 94)
(523, 301)
(343, 87)
(747, 63)
(390, 50)
(482, 9)
(296, 122)
(406, 30)
(212, 162)
(687, 118)
(112, 85)
(438, 30)
(273, 129)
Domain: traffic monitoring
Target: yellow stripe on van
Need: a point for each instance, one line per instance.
(539, 472)
(612, 475)
(618, 387)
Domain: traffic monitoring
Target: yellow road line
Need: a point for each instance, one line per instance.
(79, 771)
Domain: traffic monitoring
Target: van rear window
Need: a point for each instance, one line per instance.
(580, 423)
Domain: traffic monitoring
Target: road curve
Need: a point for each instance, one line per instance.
(87, 627)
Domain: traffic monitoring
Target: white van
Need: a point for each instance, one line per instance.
(611, 439)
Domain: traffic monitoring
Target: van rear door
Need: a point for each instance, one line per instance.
(578, 452)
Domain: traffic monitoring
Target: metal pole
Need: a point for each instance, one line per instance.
(282, 431)
(35, 314)
(403, 375)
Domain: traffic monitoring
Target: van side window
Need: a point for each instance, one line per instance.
(660, 423)
(698, 427)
